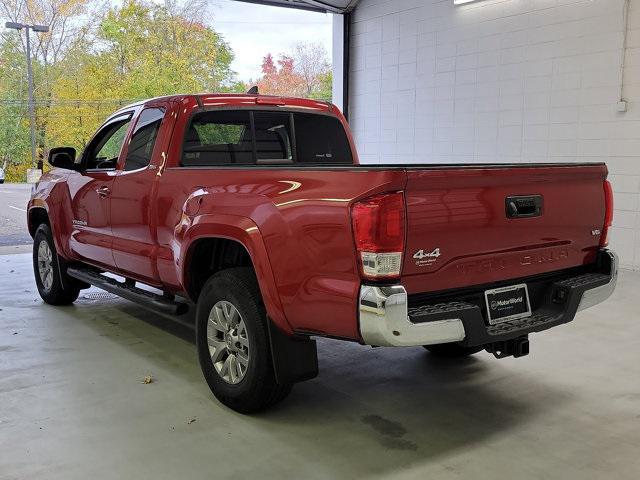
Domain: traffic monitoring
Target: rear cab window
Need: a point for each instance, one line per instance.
(264, 137)
(321, 139)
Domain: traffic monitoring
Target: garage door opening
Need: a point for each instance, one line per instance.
(283, 51)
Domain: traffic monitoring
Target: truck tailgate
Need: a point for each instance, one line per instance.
(477, 225)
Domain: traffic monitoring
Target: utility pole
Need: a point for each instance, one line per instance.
(32, 107)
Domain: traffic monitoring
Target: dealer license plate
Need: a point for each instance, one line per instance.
(507, 303)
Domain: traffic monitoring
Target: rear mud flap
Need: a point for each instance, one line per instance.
(295, 358)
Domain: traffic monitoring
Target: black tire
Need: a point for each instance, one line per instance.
(452, 350)
(258, 389)
(62, 290)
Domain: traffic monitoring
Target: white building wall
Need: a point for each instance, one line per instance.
(337, 58)
(502, 81)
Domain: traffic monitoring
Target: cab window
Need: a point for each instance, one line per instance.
(321, 139)
(218, 138)
(265, 137)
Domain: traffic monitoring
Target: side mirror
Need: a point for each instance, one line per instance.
(63, 157)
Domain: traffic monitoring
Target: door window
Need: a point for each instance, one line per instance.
(143, 139)
(104, 150)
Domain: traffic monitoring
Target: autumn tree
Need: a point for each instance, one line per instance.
(279, 77)
(305, 72)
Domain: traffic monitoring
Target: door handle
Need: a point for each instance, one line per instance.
(103, 192)
(523, 206)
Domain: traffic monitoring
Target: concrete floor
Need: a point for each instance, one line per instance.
(72, 405)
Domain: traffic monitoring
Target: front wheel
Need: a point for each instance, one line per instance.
(452, 350)
(233, 342)
(54, 285)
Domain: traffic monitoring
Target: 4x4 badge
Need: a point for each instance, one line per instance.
(423, 258)
(420, 254)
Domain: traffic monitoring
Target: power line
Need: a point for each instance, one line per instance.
(73, 102)
(269, 23)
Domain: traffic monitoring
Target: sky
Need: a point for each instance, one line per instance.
(255, 30)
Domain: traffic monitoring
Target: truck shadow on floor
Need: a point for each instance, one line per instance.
(372, 410)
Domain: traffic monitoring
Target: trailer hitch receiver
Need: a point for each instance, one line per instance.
(517, 347)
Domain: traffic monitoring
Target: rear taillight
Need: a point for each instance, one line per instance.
(608, 213)
(379, 228)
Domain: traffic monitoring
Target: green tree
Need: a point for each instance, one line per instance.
(324, 87)
(155, 51)
(68, 25)
(14, 133)
(141, 50)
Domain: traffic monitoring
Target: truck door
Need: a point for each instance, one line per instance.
(90, 191)
(134, 195)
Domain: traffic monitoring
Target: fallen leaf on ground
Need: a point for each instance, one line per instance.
(147, 379)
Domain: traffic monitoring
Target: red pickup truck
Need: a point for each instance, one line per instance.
(254, 211)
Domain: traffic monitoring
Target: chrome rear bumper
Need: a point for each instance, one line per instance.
(600, 294)
(385, 321)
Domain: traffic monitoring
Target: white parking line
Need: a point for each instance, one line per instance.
(17, 208)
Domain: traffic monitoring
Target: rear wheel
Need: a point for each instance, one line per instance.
(452, 350)
(54, 285)
(233, 342)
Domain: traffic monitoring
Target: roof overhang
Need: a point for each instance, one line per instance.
(331, 6)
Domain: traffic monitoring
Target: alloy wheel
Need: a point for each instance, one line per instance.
(45, 265)
(228, 342)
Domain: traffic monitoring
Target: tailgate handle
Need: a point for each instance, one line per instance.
(523, 206)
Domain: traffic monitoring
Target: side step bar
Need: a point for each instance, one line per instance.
(129, 291)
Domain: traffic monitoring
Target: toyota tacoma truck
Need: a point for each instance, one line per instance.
(254, 212)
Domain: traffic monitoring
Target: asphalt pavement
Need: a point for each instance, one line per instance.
(13, 214)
